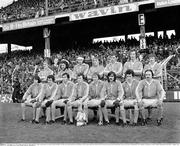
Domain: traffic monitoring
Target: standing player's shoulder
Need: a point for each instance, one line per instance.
(156, 81)
(142, 81)
(136, 81)
(118, 82)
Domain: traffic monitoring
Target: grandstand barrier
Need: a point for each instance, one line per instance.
(171, 96)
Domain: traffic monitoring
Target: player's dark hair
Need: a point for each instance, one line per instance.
(129, 72)
(96, 75)
(51, 77)
(149, 71)
(66, 74)
(36, 77)
(109, 74)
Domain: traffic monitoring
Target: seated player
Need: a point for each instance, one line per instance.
(30, 97)
(130, 98)
(63, 95)
(94, 98)
(46, 98)
(151, 93)
(80, 94)
(113, 95)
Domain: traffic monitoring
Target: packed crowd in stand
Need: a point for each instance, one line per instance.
(26, 9)
(21, 65)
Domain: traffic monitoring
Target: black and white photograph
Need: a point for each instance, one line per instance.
(89, 72)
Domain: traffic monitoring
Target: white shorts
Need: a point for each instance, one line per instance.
(29, 103)
(149, 102)
(76, 103)
(109, 103)
(92, 102)
(59, 103)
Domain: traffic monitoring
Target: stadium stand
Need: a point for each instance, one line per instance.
(26, 9)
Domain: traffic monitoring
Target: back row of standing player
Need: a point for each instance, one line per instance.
(113, 65)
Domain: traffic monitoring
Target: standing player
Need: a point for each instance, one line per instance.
(45, 72)
(63, 95)
(152, 93)
(130, 98)
(46, 98)
(80, 94)
(134, 64)
(154, 66)
(113, 93)
(64, 68)
(94, 98)
(80, 68)
(114, 66)
(95, 68)
(30, 97)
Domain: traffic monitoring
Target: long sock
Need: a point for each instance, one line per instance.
(136, 114)
(23, 106)
(117, 114)
(105, 113)
(123, 114)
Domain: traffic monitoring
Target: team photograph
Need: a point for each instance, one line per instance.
(89, 72)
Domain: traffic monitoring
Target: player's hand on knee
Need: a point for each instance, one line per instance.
(33, 100)
(48, 103)
(116, 103)
(159, 102)
(23, 100)
(65, 101)
(103, 103)
(38, 104)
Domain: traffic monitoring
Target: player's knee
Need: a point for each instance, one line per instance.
(23, 105)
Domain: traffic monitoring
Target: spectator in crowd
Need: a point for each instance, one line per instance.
(16, 96)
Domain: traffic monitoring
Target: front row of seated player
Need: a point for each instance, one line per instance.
(99, 94)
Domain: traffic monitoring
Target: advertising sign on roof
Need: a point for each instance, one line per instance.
(28, 23)
(166, 3)
(112, 10)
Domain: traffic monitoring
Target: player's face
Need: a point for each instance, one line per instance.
(133, 55)
(80, 79)
(129, 77)
(35, 81)
(45, 64)
(111, 77)
(152, 59)
(55, 61)
(95, 62)
(113, 59)
(148, 75)
(95, 77)
(80, 61)
(63, 66)
(65, 79)
(50, 81)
